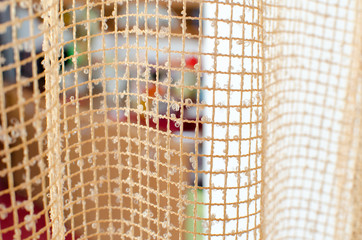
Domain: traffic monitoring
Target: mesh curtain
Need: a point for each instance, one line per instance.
(180, 119)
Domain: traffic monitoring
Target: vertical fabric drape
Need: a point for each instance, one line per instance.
(181, 119)
(312, 115)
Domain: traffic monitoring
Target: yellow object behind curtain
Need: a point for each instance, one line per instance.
(180, 119)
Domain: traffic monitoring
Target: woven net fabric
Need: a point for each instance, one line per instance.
(312, 108)
(203, 119)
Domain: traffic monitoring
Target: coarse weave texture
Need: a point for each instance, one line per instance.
(203, 119)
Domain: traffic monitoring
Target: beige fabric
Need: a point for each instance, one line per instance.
(272, 89)
(312, 109)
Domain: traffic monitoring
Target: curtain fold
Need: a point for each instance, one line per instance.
(181, 119)
(312, 87)
(357, 179)
(51, 47)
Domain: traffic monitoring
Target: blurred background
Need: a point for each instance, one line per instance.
(118, 58)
